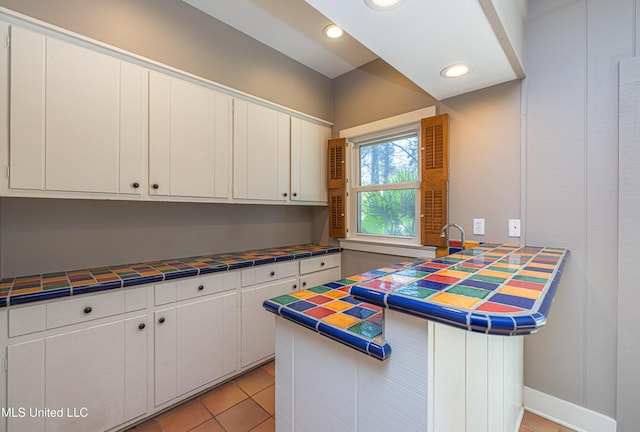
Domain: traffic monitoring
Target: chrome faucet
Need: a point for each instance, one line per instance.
(444, 228)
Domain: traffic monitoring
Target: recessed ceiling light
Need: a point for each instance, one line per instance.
(455, 70)
(333, 31)
(383, 4)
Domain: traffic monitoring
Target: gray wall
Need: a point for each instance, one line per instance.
(46, 235)
(573, 49)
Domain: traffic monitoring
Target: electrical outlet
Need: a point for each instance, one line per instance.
(478, 226)
(514, 227)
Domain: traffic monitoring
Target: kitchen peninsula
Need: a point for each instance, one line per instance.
(423, 345)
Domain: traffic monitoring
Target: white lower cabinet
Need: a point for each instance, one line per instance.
(86, 379)
(195, 344)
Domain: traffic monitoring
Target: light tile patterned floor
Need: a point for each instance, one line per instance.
(247, 404)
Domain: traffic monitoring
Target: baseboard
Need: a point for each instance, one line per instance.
(566, 413)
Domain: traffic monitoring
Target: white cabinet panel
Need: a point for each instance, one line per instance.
(78, 117)
(189, 139)
(165, 355)
(261, 152)
(136, 349)
(308, 160)
(26, 385)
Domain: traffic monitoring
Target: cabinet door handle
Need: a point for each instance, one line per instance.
(304, 284)
(155, 186)
(136, 185)
(141, 326)
(161, 320)
(200, 287)
(285, 194)
(88, 310)
(322, 264)
(272, 273)
(295, 194)
(295, 286)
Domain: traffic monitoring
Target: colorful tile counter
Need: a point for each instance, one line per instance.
(495, 289)
(18, 290)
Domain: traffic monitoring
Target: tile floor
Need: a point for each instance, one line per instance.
(247, 404)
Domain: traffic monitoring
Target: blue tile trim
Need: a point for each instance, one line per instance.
(180, 274)
(140, 281)
(264, 261)
(97, 287)
(215, 269)
(303, 255)
(240, 265)
(370, 296)
(285, 258)
(39, 296)
(3, 301)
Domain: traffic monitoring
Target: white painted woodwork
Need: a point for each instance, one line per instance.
(261, 148)
(438, 378)
(136, 349)
(73, 311)
(315, 264)
(210, 284)
(27, 319)
(258, 331)
(78, 117)
(27, 119)
(311, 280)
(189, 138)
(269, 272)
(308, 160)
(26, 384)
(195, 345)
(85, 368)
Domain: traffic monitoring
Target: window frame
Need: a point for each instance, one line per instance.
(353, 186)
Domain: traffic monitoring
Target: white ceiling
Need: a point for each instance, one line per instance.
(419, 38)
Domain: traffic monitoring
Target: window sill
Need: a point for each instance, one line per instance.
(389, 249)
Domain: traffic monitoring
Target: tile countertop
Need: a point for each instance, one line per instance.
(26, 289)
(493, 288)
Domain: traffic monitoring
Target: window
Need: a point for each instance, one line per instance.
(384, 190)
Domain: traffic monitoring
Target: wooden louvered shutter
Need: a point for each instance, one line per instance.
(336, 179)
(435, 176)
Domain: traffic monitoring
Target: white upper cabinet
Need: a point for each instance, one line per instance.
(261, 152)
(189, 139)
(308, 160)
(78, 118)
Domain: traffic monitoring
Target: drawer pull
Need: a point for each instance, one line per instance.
(136, 185)
(295, 286)
(295, 194)
(141, 326)
(322, 264)
(161, 320)
(88, 310)
(155, 186)
(285, 194)
(272, 273)
(304, 284)
(200, 288)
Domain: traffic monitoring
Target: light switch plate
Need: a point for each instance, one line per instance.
(514, 227)
(478, 226)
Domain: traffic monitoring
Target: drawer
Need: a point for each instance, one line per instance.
(315, 264)
(318, 278)
(27, 319)
(85, 308)
(269, 272)
(183, 289)
(205, 285)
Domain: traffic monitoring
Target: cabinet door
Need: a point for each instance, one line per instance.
(309, 160)
(25, 386)
(261, 152)
(136, 350)
(165, 355)
(85, 369)
(206, 341)
(78, 117)
(258, 325)
(189, 139)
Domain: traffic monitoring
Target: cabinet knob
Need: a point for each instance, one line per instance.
(136, 185)
(200, 287)
(88, 310)
(155, 186)
(285, 194)
(141, 326)
(295, 194)
(272, 273)
(295, 286)
(322, 264)
(161, 320)
(304, 284)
